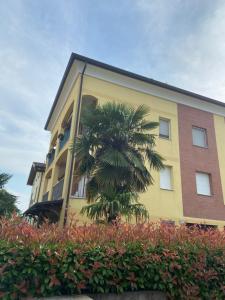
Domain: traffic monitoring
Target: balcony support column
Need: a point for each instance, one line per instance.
(51, 184)
(53, 180)
(57, 145)
(70, 157)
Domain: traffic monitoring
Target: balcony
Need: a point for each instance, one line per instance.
(57, 190)
(50, 157)
(64, 138)
(45, 197)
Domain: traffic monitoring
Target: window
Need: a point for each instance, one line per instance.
(165, 178)
(164, 128)
(203, 184)
(199, 137)
(79, 186)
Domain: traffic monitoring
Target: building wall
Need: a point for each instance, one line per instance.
(162, 204)
(197, 159)
(181, 204)
(53, 169)
(35, 192)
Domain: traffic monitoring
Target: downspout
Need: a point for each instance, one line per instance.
(77, 119)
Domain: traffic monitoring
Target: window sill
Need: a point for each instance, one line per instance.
(165, 138)
(77, 197)
(169, 190)
(201, 147)
(202, 195)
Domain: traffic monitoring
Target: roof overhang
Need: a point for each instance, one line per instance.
(45, 209)
(36, 167)
(85, 60)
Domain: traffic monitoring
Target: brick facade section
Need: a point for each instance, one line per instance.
(196, 159)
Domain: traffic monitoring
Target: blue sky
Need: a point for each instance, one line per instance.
(180, 42)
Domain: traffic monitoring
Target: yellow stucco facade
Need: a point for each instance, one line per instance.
(219, 123)
(161, 204)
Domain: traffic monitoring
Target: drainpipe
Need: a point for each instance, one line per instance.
(77, 119)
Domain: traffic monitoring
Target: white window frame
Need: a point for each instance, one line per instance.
(209, 188)
(162, 186)
(162, 136)
(205, 136)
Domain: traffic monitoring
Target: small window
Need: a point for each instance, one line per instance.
(164, 128)
(203, 184)
(165, 178)
(199, 137)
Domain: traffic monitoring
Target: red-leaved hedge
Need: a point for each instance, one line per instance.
(184, 263)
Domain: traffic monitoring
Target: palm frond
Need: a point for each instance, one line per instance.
(139, 211)
(112, 152)
(139, 138)
(148, 125)
(114, 158)
(155, 159)
(139, 114)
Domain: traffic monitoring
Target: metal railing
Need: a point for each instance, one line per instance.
(57, 190)
(45, 197)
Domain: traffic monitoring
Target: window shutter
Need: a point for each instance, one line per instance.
(199, 137)
(203, 184)
(164, 128)
(165, 178)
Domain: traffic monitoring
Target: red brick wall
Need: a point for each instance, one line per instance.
(194, 159)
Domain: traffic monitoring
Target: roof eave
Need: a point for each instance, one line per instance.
(36, 167)
(75, 56)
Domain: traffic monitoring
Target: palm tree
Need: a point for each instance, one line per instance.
(116, 153)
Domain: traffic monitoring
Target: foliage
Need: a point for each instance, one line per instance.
(112, 152)
(184, 263)
(124, 203)
(7, 200)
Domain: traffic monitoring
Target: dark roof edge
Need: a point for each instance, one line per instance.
(43, 204)
(96, 63)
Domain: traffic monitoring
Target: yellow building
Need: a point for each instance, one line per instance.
(191, 137)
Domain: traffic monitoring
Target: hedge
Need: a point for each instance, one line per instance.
(184, 263)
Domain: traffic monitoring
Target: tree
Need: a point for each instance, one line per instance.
(7, 200)
(116, 153)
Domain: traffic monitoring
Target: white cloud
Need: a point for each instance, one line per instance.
(187, 43)
(201, 57)
(179, 42)
(35, 43)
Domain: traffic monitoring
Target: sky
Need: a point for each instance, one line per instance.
(180, 42)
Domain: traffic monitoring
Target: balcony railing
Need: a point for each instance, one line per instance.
(57, 190)
(45, 197)
(64, 138)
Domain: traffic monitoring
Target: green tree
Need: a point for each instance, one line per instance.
(116, 153)
(7, 200)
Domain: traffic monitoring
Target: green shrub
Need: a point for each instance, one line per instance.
(46, 261)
